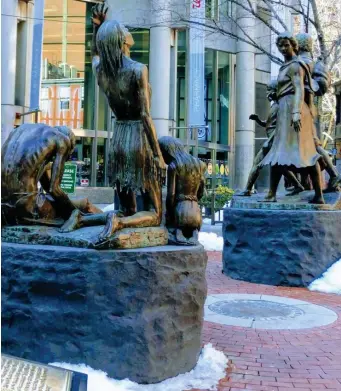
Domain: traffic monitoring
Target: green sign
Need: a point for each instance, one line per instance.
(69, 178)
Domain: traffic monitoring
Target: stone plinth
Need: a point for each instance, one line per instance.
(288, 247)
(297, 202)
(135, 314)
(85, 237)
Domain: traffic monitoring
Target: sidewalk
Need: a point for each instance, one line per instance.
(275, 360)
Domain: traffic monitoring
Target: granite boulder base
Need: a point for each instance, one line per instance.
(134, 314)
(291, 246)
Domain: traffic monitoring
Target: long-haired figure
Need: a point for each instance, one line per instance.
(185, 187)
(293, 146)
(135, 159)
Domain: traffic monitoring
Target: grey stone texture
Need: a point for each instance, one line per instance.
(85, 237)
(280, 247)
(134, 314)
(96, 195)
(296, 202)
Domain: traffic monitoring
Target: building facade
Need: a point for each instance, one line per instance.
(205, 84)
(21, 41)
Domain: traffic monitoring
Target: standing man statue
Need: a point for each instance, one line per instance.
(32, 154)
(135, 160)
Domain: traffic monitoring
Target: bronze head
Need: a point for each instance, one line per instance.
(68, 133)
(305, 42)
(287, 44)
(110, 40)
(174, 153)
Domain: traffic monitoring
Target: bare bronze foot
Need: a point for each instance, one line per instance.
(317, 200)
(334, 185)
(72, 223)
(245, 193)
(90, 208)
(269, 198)
(112, 225)
(296, 190)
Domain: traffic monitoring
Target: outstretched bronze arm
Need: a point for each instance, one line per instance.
(254, 117)
(146, 117)
(99, 12)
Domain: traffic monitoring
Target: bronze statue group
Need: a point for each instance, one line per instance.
(34, 155)
(136, 160)
(293, 148)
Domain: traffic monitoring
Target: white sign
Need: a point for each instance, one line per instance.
(84, 182)
(196, 61)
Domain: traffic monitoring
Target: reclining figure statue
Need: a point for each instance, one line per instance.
(33, 154)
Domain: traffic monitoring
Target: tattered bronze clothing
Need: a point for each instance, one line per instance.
(131, 160)
(290, 147)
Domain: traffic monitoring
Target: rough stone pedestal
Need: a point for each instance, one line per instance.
(287, 243)
(134, 314)
(85, 237)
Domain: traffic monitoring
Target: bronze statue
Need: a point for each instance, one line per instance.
(293, 145)
(321, 77)
(270, 127)
(135, 161)
(32, 154)
(185, 187)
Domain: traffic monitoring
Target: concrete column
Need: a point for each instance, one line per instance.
(8, 65)
(159, 64)
(245, 103)
(159, 77)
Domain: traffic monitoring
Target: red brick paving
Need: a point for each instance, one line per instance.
(275, 360)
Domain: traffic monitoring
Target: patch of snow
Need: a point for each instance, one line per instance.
(108, 208)
(330, 282)
(209, 370)
(211, 241)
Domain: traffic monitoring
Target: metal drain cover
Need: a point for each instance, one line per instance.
(255, 309)
(266, 312)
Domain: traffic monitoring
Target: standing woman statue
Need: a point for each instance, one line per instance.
(293, 145)
(135, 160)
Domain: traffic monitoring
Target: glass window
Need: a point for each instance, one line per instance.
(64, 98)
(140, 50)
(210, 6)
(63, 63)
(223, 97)
(225, 8)
(208, 88)
(181, 76)
(44, 99)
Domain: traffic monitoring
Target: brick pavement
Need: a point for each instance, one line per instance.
(275, 360)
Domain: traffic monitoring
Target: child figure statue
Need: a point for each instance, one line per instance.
(185, 187)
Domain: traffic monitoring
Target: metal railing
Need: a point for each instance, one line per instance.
(191, 136)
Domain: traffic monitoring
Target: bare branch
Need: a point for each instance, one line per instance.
(319, 30)
(275, 14)
(296, 10)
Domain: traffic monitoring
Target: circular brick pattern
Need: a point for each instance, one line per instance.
(256, 309)
(266, 312)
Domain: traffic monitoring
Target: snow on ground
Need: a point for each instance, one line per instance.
(211, 241)
(209, 370)
(109, 207)
(330, 282)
